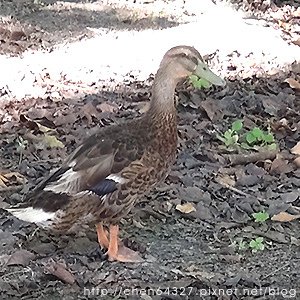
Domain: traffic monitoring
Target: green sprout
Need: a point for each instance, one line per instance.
(260, 138)
(260, 217)
(230, 137)
(242, 245)
(257, 244)
(21, 147)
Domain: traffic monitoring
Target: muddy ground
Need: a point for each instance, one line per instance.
(208, 248)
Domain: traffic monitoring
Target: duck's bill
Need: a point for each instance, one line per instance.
(202, 71)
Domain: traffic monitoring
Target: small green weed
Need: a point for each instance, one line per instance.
(260, 217)
(255, 138)
(257, 244)
(21, 147)
(242, 245)
(231, 136)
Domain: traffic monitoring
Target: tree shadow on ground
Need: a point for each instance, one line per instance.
(63, 21)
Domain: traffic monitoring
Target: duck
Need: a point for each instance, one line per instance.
(109, 172)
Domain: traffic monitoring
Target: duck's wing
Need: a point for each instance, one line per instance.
(94, 166)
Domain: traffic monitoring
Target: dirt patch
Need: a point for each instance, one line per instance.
(42, 24)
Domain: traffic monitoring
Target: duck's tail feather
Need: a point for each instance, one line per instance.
(40, 208)
(33, 215)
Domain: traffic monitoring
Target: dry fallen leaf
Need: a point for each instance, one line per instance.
(10, 178)
(89, 111)
(297, 161)
(52, 142)
(296, 149)
(225, 180)
(107, 107)
(284, 217)
(59, 270)
(3, 181)
(186, 208)
(34, 125)
(280, 166)
(296, 42)
(293, 83)
(20, 257)
(212, 109)
(284, 25)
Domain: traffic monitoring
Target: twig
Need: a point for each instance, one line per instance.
(277, 270)
(232, 188)
(20, 158)
(242, 159)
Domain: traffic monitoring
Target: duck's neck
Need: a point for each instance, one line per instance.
(163, 92)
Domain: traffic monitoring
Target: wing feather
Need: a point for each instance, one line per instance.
(93, 166)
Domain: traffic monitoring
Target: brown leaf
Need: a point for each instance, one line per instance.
(3, 181)
(89, 111)
(107, 107)
(34, 125)
(296, 149)
(225, 180)
(271, 105)
(17, 35)
(284, 217)
(296, 42)
(65, 119)
(37, 113)
(20, 257)
(297, 161)
(293, 83)
(284, 25)
(59, 270)
(10, 178)
(186, 208)
(212, 110)
(281, 166)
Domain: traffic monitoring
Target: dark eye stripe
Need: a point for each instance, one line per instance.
(185, 55)
(193, 59)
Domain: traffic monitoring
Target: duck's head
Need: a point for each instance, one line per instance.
(183, 61)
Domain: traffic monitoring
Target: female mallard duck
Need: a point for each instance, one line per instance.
(106, 175)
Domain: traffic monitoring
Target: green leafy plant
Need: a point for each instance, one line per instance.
(242, 245)
(21, 147)
(250, 139)
(260, 217)
(257, 244)
(230, 137)
(256, 136)
(199, 83)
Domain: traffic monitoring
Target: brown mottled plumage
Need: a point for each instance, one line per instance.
(107, 174)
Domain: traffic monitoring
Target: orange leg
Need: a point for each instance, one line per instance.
(102, 236)
(117, 251)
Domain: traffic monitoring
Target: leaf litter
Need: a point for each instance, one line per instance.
(190, 223)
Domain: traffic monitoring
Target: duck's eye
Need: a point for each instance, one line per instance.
(194, 60)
